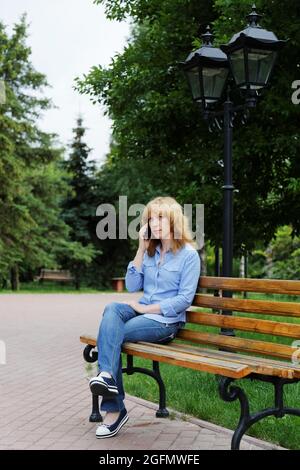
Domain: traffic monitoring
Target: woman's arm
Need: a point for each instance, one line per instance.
(134, 279)
(138, 259)
(187, 288)
(153, 308)
(142, 308)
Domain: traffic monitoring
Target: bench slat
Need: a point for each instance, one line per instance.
(150, 351)
(205, 364)
(260, 365)
(218, 362)
(269, 286)
(289, 309)
(86, 339)
(245, 324)
(235, 343)
(238, 344)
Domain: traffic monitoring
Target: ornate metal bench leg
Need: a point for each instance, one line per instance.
(90, 355)
(232, 394)
(95, 416)
(162, 411)
(246, 419)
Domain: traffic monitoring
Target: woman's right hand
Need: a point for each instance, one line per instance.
(143, 242)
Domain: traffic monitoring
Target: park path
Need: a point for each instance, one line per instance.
(45, 399)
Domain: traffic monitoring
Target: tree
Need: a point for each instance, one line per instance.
(154, 120)
(79, 206)
(282, 256)
(27, 154)
(32, 180)
(267, 148)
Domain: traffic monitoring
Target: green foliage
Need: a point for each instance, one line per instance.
(155, 121)
(280, 259)
(285, 252)
(267, 148)
(120, 178)
(33, 182)
(78, 207)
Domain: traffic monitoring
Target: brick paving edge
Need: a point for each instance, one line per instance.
(205, 424)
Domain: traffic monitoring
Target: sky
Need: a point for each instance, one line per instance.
(67, 38)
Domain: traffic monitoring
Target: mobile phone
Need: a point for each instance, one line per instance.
(147, 234)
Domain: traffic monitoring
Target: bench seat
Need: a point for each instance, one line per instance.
(181, 357)
(215, 361)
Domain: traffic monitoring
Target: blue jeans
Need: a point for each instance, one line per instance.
(121, 323)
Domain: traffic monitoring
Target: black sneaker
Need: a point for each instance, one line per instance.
(104, 386)
(110, 430)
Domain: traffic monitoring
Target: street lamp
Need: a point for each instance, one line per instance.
(247, 61)
(252, 54)
(207, 71)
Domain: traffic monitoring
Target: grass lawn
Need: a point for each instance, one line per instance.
(54, 288)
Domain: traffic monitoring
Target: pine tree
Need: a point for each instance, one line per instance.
(31, 183)
(79, 207)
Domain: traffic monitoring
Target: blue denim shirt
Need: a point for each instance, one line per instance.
(171, 284)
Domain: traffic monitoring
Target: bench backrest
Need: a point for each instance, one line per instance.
(274, 325)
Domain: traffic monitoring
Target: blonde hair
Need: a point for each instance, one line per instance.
(179, 225)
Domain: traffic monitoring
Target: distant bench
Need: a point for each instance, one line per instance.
(54, 275)
(228, 357)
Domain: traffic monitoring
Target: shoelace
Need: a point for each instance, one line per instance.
(104, 425)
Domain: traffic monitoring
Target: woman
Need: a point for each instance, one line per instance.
(167, 268)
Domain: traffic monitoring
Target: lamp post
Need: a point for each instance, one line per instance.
(247, 62)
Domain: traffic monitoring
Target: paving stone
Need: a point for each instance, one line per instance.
(41, 333)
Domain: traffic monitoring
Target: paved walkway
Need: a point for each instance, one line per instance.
(45, 399)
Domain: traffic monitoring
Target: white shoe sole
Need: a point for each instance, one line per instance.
(105, 436)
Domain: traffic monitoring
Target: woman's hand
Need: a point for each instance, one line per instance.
(140, 308)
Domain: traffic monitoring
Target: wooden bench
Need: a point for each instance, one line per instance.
(54, 275)
(228, 355)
